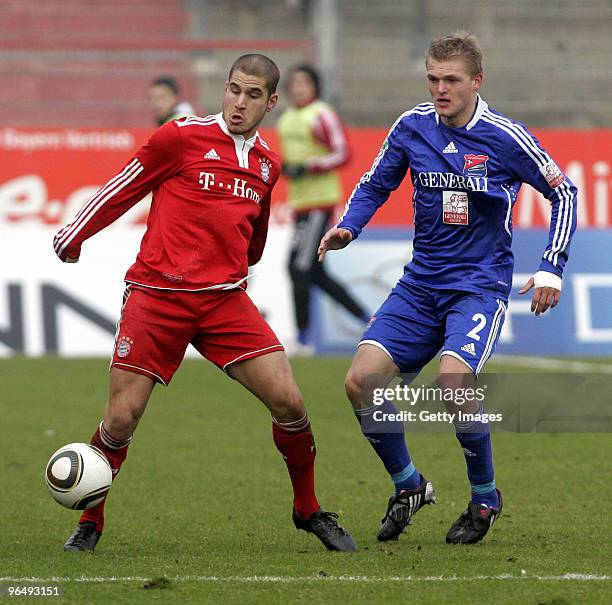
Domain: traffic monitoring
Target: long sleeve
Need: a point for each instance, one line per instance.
(385, 175)
(329, 130)
(260, 232)
(533, 165)
(153, 163)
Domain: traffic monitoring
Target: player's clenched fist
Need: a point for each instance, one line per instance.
(334, 239)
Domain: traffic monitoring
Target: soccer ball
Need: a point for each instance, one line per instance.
(78, 476)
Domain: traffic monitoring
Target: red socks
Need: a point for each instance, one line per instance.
(116, 452)
(295, 442)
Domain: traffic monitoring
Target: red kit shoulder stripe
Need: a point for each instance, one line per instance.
(116, 184)
(195, 121)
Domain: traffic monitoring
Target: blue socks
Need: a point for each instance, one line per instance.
(389, 442)
(475, 439)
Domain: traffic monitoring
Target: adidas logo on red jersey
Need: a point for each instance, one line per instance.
(212, 155)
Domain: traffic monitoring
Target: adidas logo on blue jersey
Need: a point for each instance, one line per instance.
(469, 348)
(450, 148)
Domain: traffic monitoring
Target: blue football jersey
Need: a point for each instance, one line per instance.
(466, 181)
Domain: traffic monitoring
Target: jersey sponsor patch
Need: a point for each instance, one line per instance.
(455, 208)
(552, 173)
(475, 164)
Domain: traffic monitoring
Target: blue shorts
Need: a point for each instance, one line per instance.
(413, 324)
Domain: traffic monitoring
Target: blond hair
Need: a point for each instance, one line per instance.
(459, 44)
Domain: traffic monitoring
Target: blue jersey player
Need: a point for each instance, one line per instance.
(467, 163)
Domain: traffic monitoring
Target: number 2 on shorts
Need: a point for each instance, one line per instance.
(482, 322)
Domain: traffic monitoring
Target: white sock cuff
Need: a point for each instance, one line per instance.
(293, 427)
(109, 441)
(366, 411)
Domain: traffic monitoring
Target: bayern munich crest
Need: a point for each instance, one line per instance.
(265, 169)
(124, 346)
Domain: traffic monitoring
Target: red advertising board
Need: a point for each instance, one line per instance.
(46, 175)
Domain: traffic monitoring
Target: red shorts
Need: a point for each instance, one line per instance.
(157, 325)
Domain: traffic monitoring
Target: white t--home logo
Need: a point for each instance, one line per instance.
(265, 169)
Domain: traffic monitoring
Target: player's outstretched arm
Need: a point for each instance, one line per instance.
(335, 239)
(547, 291)
(153, 163)
(532, 164)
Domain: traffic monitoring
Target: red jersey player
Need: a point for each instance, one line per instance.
(211, 180)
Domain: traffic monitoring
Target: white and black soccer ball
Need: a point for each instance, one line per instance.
(78, 476)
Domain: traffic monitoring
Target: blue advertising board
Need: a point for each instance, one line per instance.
(581, 325)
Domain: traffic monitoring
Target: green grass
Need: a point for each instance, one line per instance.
(204, 493)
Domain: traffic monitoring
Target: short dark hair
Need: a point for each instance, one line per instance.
(459, 44)
(311, 72)
(258, 65)
(169, 82)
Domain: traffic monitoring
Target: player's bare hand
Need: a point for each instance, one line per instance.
(543, 298)
(334, 239)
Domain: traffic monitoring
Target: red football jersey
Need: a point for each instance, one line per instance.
(209, 215)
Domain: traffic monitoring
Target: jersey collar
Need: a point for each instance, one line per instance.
(243, 146)
(238, 138)
(481, 107)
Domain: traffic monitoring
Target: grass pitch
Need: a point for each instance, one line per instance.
(201, 511)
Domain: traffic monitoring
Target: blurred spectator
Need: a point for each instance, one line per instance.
(165, 101)
(314, 146)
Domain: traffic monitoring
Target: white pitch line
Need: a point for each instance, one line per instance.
(318, 578)
(553, 364)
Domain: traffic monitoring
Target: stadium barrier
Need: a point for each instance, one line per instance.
(45, 175)
(47, 307)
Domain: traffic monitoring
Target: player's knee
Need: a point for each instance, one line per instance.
(129, 394)
(353, 385)
(284, 397)
(454, 380)
(122, 415)
(121, 421)
(287, 404)
(295, 404)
